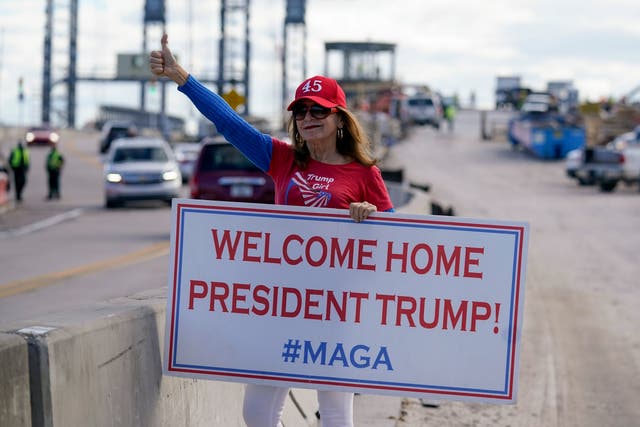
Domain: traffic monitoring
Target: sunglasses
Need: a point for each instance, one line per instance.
(317, 111)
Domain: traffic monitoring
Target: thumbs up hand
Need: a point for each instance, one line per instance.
(163, 64)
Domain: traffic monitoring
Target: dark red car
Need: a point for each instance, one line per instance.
(222, 172)
(41, 135)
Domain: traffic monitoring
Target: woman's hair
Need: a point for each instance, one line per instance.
(354, 142)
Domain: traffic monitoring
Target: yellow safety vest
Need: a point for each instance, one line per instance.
(19, 157)
(54, 161)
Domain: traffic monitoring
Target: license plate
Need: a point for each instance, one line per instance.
(139, 179)
(241, 191)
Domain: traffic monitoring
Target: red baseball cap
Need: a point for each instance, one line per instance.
(321, 90)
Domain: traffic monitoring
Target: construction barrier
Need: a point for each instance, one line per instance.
(4, 188)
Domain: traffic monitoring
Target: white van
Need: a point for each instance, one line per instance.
(425, 109)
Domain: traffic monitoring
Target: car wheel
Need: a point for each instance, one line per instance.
(110, 203)
(585, 181)
(608, 186)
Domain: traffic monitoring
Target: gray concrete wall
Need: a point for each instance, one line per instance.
(15, 409)
(101, 366)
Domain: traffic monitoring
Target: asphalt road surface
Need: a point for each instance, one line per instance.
(580, 349)
(68, 253)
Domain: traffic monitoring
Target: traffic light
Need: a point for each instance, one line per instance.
(20, 89)
(153, 85)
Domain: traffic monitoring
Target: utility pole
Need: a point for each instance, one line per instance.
(221, 46)
(21, 100)
(68, 70)
(234, 41)
(46, 65)
(294, 54)
(153, 14)
(73, 56)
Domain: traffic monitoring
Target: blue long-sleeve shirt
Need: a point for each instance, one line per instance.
(253, 144)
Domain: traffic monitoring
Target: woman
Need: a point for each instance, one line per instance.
(328, 165)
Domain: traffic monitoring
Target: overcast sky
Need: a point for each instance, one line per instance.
(453, 46)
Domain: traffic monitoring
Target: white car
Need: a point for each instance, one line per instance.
(186, 156)
(113, 130)
(140, 168)
(425, 109)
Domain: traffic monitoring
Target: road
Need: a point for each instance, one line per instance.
(580, 360)
(60, 255)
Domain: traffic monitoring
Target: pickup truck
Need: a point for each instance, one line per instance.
(618, 161)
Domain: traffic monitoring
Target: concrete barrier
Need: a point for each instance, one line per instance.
(15, 410)
(101, 366)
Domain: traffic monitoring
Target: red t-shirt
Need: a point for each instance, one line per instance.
(323, 185)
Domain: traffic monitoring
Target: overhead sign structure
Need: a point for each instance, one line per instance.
(133, 66)
(154, 11)
(408, 305)
(295, 12)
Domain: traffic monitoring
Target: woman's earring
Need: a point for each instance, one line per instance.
(340, 134)
(299, 138)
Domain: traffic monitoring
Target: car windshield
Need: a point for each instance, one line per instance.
(419, 102)
(225, 157)
(139, 154)
(190, 152)
(119, 133)
(535, 107)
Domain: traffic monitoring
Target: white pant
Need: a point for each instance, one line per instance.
(263, 406)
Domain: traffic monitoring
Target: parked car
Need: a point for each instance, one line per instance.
(574, 167)
(592, 165)
(186, 155)
(41, 135)
(606, 166)
(222, 172)
(112, 130)
(425, 109)
(140, 168)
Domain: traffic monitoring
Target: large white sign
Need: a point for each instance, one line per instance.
(423, 306)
